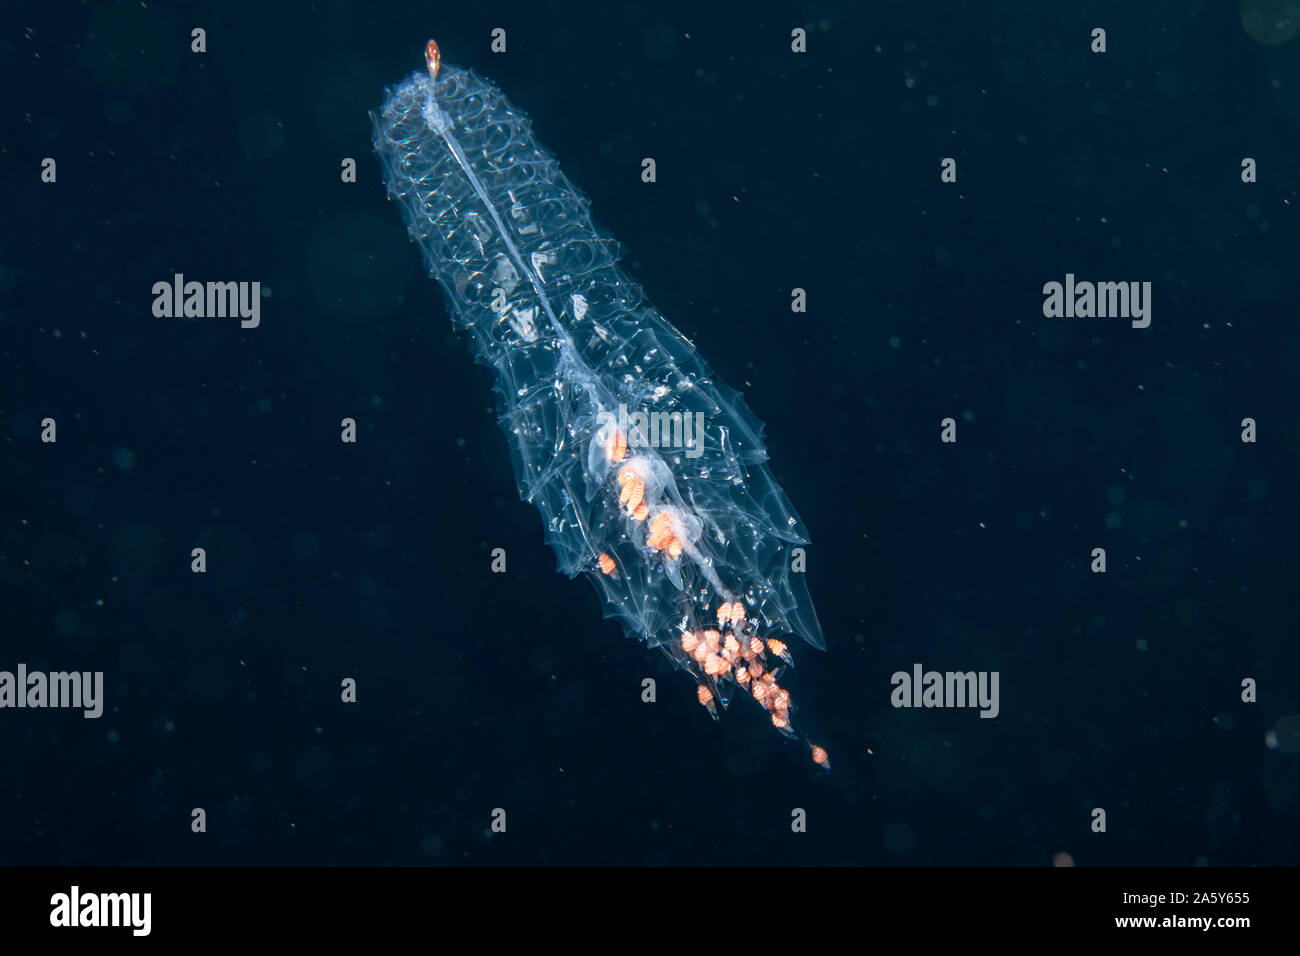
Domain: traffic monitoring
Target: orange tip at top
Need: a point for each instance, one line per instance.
(432, 58)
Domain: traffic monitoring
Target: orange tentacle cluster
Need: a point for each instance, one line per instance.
(632, 497)
(661, 536)
(729, 655)
(616, 447)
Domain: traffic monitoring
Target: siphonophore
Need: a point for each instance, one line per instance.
(649, 473)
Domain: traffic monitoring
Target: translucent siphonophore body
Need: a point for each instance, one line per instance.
(650, 474)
